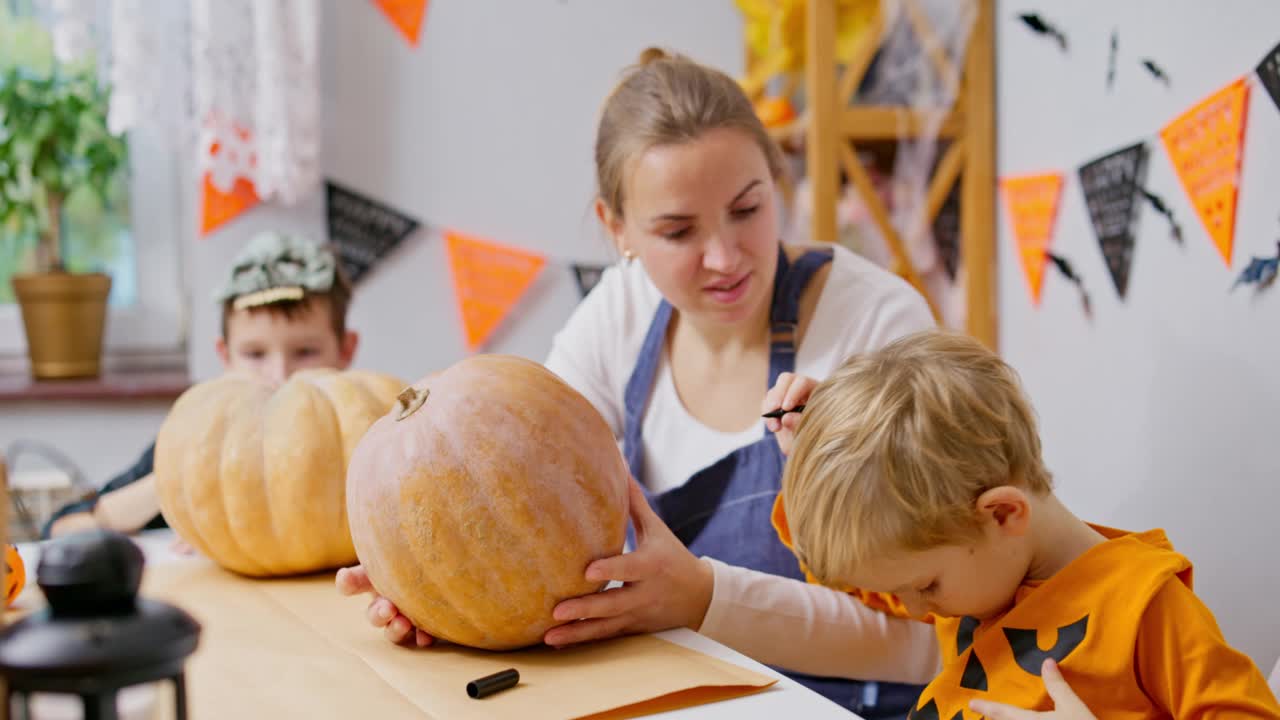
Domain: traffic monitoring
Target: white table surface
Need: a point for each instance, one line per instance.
(786, 698)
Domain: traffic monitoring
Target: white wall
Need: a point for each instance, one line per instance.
(486, 127)
(1161, 412)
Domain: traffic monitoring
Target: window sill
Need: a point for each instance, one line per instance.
(111, 385)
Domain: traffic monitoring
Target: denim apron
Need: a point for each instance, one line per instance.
(723, 511)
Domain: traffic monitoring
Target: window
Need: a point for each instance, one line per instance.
(134, 237)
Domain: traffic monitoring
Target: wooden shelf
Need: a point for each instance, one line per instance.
(136, 385)
(872, 122)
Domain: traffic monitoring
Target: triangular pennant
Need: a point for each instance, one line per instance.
(1110, 185)
(217, 207)
(587, 276)
(1269, 74)
(363, 231)
(488, 280)
(227, 160)
(1206, 145)
(406, 15)
(1032, 201)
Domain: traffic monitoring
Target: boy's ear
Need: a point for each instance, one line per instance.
(1007, 508)
(347, 350)
(224, 354)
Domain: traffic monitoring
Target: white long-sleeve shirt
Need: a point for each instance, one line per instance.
(815, 630)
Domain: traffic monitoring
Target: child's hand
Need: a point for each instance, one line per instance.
(665, 586)
(1066, 705)
(381, 613)
(790, 390)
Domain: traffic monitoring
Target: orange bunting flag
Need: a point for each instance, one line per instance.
(228, 159)
(218, 207)
(1206, 145)
(1032, 201)
(488, 280)
(406, 15)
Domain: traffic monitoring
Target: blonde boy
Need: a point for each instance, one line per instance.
(915, 477)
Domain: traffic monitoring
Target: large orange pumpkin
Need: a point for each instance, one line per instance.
(254, 477)
(478, 502)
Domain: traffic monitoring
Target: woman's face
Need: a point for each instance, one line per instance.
(702, 218)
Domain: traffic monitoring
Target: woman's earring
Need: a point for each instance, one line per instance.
(628, 256)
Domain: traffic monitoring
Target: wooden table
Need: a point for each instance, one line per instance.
(786, 699)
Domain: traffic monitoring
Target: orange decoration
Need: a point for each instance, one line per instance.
(488, 280)
(1206, 145)
(15, 574)
(1033, 208)
(775, 112)
(218, 207)
(406, 15)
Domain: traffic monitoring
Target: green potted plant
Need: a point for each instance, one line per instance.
(55, 147)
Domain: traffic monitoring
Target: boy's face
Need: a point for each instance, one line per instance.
(977, 579)
(272, 346)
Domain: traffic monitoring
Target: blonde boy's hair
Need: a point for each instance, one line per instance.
(895, 447)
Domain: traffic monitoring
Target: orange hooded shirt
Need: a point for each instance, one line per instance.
(1132, 639)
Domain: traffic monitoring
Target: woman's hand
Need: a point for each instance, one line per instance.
(790, 391)
(664, 586)
(381, 612)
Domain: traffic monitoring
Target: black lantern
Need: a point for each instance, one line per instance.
(96, 636)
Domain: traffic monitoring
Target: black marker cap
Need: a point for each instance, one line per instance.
(490, 684)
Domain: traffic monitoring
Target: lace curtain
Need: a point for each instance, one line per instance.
(236, 80)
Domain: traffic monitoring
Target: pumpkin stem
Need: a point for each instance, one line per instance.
(410, 400)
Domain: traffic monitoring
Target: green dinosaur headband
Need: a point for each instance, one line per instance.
(275, 267)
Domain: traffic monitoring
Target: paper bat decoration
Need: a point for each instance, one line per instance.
(1156, 71)
(1040, 27)
(1260, 271)
(1158, 203)
(1069, 272)
(1111, 59)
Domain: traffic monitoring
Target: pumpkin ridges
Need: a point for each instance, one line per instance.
(169, 468)
(361, 398)
(379, 387)
(201, 466)
(547, 530)
(355, 410)
(458, 584)
(477, 598)
(349, 400)
(362, 514)
(249, 522)
(490, 531)
(226, 403)
(182, 517)
(576, 520)
(302, 520)
(212, 472)
(493, 515)
(412, 540)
